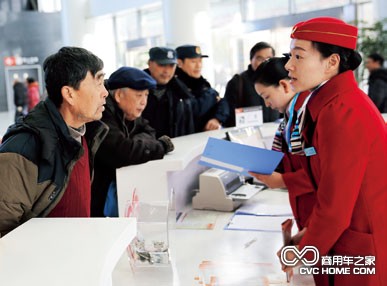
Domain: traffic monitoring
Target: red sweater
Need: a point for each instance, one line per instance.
(76, 199)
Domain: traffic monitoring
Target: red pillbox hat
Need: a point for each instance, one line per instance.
(326, 30)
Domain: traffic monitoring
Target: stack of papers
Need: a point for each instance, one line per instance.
(265, 212)
(196, 219)
(263, 209)
(255, 223)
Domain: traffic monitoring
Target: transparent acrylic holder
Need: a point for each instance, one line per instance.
(151, 245)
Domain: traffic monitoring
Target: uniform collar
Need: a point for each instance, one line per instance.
(329, 91)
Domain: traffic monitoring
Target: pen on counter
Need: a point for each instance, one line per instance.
(286, 227)
(247, 244)
(178, 216)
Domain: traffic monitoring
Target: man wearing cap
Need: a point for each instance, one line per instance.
(212, 110)
(130, 139)
(344, 140)
(171, 107)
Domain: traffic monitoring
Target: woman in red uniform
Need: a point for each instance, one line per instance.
(345, 144)
(273, 85)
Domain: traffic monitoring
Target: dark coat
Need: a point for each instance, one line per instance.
(173, 113)
(127, 143)
(377, 89)
(19, 94)
(20, 99)
(37, 156)
(209, 104)
(240, 92)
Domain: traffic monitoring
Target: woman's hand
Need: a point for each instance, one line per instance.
(273, 181)
(295, 240)
(290, 256)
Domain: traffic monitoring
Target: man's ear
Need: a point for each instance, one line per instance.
(117, 95)
(179, 63)
(68, 94)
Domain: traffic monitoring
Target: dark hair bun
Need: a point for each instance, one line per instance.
(354, 60)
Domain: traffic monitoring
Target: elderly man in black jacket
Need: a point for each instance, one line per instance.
(131, 140)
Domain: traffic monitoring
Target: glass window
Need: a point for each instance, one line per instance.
(254, 9)
(127, 28)
(365, 13)
(152, 22)
(312, 5)
(222, 12)
(49, 6)
(137, 57)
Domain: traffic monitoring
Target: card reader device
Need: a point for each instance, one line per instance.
(222, 190)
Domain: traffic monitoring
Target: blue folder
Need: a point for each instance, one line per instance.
(239, 158)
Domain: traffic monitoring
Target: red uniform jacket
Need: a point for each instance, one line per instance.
(302, 195)
(349, 170)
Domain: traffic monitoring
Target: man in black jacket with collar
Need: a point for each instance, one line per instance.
(214, 110)
(47, 156)
(240, 91)
(171, 107)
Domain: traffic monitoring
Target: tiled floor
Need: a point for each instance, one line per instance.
(6, 119)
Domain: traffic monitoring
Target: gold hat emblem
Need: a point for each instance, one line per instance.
(198, 51)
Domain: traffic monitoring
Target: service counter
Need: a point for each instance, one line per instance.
(214, 257)
(174, 177)
(199, 256)
(65, 251)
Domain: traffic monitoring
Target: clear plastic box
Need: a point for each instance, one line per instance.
(151, 245)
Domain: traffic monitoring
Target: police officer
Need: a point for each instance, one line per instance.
(171, 106)
(213, 110)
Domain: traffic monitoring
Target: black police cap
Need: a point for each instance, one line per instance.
(190, 52)
(163, 55)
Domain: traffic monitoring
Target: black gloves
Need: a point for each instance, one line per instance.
(167, 143)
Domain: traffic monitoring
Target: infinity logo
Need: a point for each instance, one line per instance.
(299, 255)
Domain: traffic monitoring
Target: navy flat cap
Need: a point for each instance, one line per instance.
(189, 51)
(163, 55)
(130, 77)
